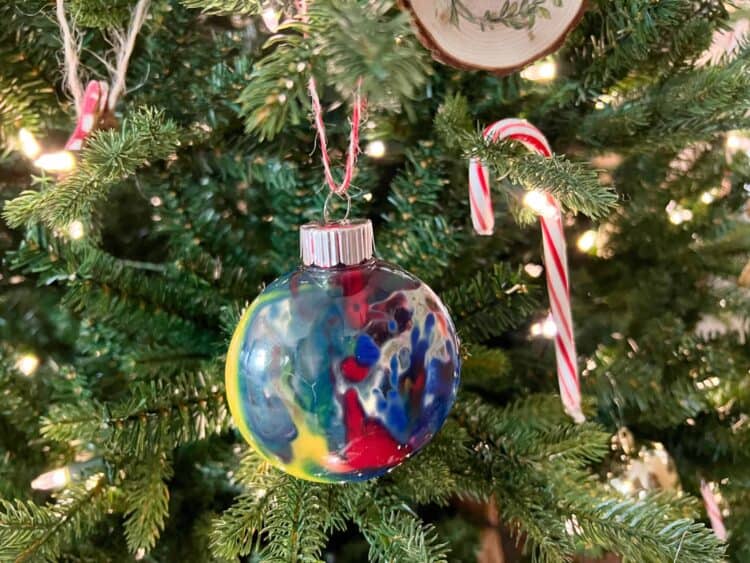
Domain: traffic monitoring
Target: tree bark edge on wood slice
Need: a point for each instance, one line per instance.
(417, 10)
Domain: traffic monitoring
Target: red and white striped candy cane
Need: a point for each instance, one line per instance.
(713, 510)
(93, 103)
(555, 254)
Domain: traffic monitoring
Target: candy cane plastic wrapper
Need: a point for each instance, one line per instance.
(93, 103)
(555, 254)
(713, 510)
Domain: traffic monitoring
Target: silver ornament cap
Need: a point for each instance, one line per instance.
(339, 243)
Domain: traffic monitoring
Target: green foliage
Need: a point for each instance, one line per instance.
(492, 302)
(687, 107)
(147, 502)
(100, 13)
(423, 226)
(29, 532)
(398, 536)
(249, 7)
(159, 414)
(110, 157)
(574, 185)
(193, 204)
(616, 36)
(344, 43)
(21, 96)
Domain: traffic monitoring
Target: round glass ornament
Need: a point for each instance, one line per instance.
(344, 368)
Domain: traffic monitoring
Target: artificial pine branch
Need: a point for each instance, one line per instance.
(146, 501)
(616, 36)
(29, 532)
(109, 157)
(159, 416)
(344, 44)
(246, 7)
(685, 108)
(574, 185)
(492, 302)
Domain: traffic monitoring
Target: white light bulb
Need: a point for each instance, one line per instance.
(543, 71)
(539, 203)
(675, 218)
(76, 230)
(536, 329)
(734, 141)
(375, 149)
(61, 161)
(586, 241)
(29, 145)
(271, 18)
(549, 328)
(534, 270)
(707, 197)
(27, 364)
(55, 479)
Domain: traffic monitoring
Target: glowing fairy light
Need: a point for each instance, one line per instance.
(27, 364)
(534, 270)
(546, 328)
(736, 141)
(52, 480)
(29, 145)
(543, 71)
(375, 149)
(539, 203)
(76, 230)
(549, 328)
(677, 214)
(56, 162)
(707, 198)
(586, 241)
(271, 17)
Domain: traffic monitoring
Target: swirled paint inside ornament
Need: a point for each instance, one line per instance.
(340, 374)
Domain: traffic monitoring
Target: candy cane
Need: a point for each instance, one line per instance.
(93, 103)
(713, 510)
(555, 255)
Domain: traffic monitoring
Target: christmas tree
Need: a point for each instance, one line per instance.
(128, 264)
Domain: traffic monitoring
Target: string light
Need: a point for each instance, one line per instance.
(52, 480)
(546, 328)
(271, 17)
(76, 230)
(735, 141)
(543, 71)
(27, 364)
(56, 162)
(375, 149)
(534, 270)
(587, 241)
(539, 203)
(603, 101)
(30, 147)
(678, 214)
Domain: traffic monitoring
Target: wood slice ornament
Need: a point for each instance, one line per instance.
(499, 36)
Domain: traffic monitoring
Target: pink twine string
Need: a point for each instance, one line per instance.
(351, 157)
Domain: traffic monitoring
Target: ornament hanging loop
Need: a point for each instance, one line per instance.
(340, 189)
(327, 205)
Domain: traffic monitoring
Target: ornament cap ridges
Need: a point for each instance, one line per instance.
(338, 243)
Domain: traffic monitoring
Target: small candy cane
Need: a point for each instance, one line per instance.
(98, 96)
(93, 103)
(713, 510)
(555, 254)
